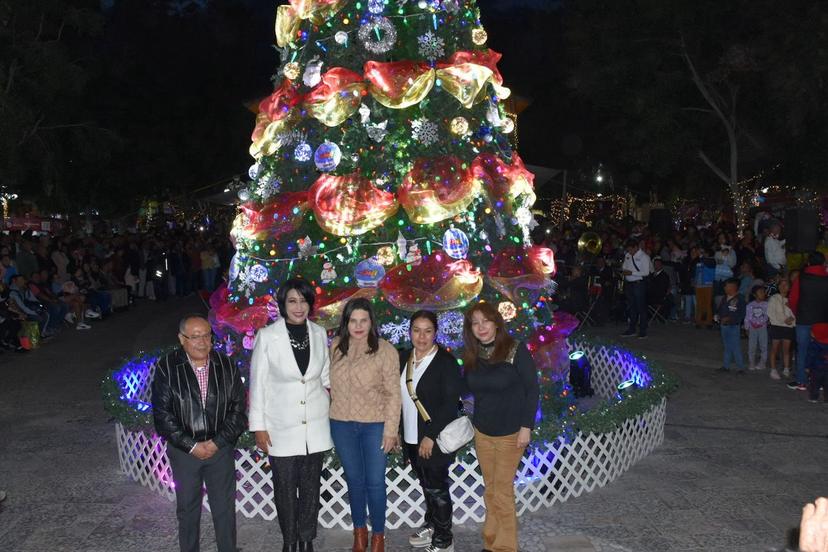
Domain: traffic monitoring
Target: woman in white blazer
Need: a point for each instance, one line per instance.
(289, 401)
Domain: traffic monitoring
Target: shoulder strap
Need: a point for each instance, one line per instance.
(409, 384)
(512, 352)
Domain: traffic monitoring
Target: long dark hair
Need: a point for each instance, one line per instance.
(359, 303)
(503, 342)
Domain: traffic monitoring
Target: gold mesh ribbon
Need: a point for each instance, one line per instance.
(337, 97)
(466, 82)
(399, 84)
(287, 25)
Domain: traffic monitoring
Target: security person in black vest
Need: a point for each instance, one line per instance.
(198, 403)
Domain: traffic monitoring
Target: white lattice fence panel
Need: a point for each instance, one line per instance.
(553, 474)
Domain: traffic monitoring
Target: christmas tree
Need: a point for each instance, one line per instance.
(384, 169)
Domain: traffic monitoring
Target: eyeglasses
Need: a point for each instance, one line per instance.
(205, 337)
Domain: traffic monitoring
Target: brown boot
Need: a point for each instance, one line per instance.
(377, 542)
(360, 539)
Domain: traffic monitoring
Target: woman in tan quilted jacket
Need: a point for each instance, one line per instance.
(365, 416)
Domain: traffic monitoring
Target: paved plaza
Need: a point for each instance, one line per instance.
(741, 455)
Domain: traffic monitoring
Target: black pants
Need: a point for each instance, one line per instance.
(296, 482)
(436, 483)
(219, 475)
(636, 293)
(817, 377)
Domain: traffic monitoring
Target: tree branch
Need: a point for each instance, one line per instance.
(40, 27)
(713, 167)
(699, 109)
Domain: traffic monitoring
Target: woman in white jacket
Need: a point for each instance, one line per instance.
(289, 402)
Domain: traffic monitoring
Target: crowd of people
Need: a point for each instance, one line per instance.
(49, 283)
(710, 277)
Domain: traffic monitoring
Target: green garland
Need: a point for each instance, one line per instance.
(560, 417)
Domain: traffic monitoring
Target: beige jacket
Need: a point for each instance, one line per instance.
(779, 311)
(366, 387)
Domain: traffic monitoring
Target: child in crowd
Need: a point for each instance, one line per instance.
(756, 324)
(730, 315)
(818, 362)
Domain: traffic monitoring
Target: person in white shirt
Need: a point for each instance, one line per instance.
(635, 269)
(289, 410)
(430, 385)
(775, 257)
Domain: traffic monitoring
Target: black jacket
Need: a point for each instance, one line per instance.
(813, 299)
(439, 392)
(179, 415)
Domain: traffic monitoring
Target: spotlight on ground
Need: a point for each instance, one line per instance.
(579, 374)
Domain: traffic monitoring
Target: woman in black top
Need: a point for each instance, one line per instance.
(435, 382)
(500, 374)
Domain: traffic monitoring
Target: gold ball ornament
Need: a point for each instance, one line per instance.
(507, 310)
(385, 256)
(479, 36)
(292, 70)
(508, 125)
(460, 126)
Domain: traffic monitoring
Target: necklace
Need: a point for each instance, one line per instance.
(485, 351)
(299, 345)
(418, 361)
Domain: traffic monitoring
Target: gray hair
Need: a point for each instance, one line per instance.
(183, 322)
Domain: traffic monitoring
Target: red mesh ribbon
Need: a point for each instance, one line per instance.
(350, 205)
(512, 273)
(439, 283)
(487, 58)
(436, 189)
(282, 214)
(548, 346)
(239, 317)
(503, 183)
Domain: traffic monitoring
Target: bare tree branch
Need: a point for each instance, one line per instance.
(713, 167)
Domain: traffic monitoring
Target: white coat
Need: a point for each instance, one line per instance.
(292, 408)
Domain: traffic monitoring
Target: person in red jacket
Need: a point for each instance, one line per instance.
(809, 302)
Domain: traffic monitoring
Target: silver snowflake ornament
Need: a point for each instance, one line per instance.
(378, 132)
(431, 46)
(424, 131)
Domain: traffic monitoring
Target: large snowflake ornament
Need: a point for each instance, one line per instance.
(424, 131)
(396, 333)
(451, 329)
(247, 282)
(268, 186)
(431, 46)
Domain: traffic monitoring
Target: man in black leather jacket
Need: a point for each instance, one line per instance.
(198, 403)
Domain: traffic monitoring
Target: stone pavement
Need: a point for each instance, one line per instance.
(742, 454)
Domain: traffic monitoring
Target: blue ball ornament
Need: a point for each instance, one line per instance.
(456, 243)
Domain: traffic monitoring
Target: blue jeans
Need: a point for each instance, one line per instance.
(689, 306)
(732, 346)
(359, 447)
(803, 339)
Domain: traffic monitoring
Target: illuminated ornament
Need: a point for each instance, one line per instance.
(292, 70)
(436, 189)
(369, 273)
(253, 171)
(402, 245)
(424, 131)
(507, 310)
(249, 340)
(508, 125)
(233, 272)
(488, 138)
(413, 256)
(385, 255)
(479, 36)
(460, 126)
(378, 35)
(431, 46)
(376, 6)
(306, 248)
(341, 38)
(327, 157)
(303, 152)
(328, 274)
(313, 73)
(350, 205)
(456, 243)
(258, 273)
(244, 194)
(378, 132)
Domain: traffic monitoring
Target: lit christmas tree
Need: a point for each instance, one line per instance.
(383, 169)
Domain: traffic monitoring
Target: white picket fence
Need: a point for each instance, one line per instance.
(554, 473)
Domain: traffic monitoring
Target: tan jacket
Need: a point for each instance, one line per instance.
(366, 388)
(779, 311)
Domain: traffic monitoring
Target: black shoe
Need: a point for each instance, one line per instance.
(723, 369)
(628, 333)
(642, 336)
(306, 546)
(741, 372)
